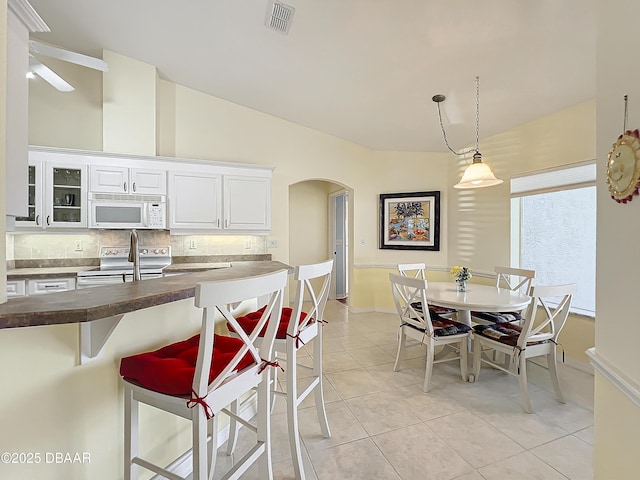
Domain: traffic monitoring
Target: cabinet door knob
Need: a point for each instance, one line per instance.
(134, 186)
(48, 219)
(37, 219)
(125, 186)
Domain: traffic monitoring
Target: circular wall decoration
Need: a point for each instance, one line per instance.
(623, 167)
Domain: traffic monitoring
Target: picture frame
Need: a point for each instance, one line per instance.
(410, 221)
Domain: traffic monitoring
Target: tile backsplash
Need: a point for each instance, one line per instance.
(86, 245)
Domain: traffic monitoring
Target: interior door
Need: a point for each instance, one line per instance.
(339, 207)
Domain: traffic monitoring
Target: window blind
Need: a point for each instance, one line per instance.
(576, 175)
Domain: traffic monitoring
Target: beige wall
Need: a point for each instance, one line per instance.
(617, 426)
(308, 220)
(128, 106)
(308, 217)
(67, 119)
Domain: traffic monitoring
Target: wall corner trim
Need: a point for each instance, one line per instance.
(623, 383)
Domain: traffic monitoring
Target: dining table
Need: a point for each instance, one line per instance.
(477, 297)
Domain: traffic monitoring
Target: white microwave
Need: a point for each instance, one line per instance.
(127, 211)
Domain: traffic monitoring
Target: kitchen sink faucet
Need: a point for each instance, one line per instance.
(134, 255)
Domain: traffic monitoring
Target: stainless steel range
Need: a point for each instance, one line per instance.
(115, 266)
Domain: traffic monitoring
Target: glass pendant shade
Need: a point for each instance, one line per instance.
(478, 175)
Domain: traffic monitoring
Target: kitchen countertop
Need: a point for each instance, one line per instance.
(195, 267)
(47, 272)
(85, 305)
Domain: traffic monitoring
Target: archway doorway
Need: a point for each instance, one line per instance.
(314, 208)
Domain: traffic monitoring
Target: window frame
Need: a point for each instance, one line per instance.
(562, 178)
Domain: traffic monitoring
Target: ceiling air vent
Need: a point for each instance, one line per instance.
(279, 17)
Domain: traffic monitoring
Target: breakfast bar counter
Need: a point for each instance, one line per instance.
(91, 304)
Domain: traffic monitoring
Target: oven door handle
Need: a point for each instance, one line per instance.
(145, 215)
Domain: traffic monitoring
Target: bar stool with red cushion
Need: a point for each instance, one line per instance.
(297, 328)
(198, 377)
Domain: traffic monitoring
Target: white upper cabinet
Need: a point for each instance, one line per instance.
(35, 195)
(57, 193)
(195, 201)
(247, 202)
(235, 200)
(65, 202)
(115, 179)
(148, 181)
(201, 197)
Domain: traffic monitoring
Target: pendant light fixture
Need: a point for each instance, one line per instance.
(478, 174)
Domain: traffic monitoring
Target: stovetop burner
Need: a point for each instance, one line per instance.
(115, 261)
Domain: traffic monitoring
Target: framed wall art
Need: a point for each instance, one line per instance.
(410, 221)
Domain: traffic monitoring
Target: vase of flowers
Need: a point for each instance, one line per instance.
(461, 274)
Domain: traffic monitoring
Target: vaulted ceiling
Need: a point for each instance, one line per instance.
(362, 70)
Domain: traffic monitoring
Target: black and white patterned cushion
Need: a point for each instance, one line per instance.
(498, 317)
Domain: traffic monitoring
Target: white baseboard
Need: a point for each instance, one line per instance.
(371, 310)
(583, 367)
(361, 309)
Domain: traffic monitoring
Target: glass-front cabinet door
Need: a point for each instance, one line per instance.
(34, 216)
(66, 194)
(57, 196)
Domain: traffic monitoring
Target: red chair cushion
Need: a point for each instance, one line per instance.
(170, 369)
(250, 321)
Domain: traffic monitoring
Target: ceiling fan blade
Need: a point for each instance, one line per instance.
(68, 56)
(49, 75)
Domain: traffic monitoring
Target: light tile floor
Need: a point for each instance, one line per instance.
(384, 427)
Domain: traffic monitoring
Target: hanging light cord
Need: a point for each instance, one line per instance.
(444, 134)
(624, 126)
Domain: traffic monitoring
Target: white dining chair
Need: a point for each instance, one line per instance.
(543, 321)
(417, 323)
(418, 270)
(515, 279)
(197, 378)
(299, 326)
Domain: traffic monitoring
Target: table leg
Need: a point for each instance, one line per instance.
(464, 316)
